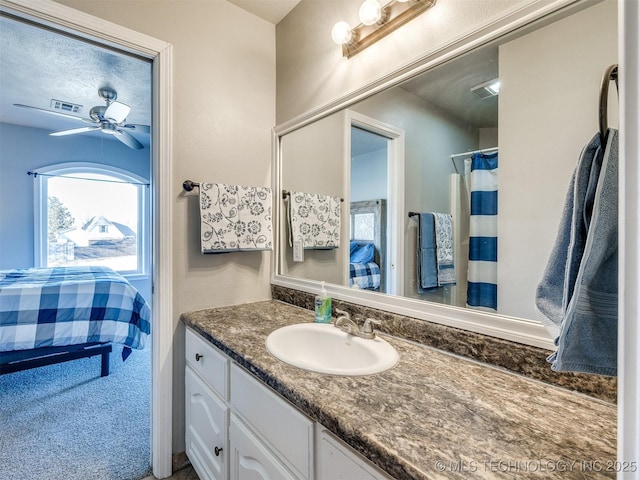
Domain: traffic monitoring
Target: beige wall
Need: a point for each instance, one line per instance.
(311, 71)
(548, 112)
(224, 109)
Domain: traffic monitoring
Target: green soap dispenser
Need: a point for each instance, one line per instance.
(323, 306)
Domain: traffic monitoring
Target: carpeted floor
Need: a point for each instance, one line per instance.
(65, 422)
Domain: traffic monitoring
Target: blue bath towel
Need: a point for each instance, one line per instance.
(578, 294)
(427, 267)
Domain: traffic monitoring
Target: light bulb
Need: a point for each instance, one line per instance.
(341, 33)
(370, 12)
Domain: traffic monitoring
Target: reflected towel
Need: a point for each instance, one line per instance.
(314, 219)
(235, 218)
(427, 267)
(578, 293)
(444, 249)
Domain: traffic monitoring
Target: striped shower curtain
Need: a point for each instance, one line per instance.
(482, 288)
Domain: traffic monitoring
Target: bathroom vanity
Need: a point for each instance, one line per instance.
(433, 415)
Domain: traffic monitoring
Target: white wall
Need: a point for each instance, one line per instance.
(311, 71)
(548, 77)
(223, 112)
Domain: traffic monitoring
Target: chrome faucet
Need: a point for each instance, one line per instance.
(344, 323)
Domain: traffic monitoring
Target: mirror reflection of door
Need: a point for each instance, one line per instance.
(369, 191)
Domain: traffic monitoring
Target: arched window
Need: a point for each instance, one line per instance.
(92, 214)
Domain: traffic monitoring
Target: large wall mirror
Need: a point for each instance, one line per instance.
(504, 120)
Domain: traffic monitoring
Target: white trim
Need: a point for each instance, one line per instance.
(107, 33)
(162, 342)
(395, 191)
(629, 226)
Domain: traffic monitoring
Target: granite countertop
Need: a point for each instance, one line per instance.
(434, 415)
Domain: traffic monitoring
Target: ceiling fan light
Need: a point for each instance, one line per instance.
(117, 112)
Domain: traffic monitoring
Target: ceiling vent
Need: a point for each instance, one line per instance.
(65, 106)
(487, 89)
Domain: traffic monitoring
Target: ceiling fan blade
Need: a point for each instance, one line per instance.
(138, 128)
(51, 112)
(74, 131)
(117, 112)
(128, 139)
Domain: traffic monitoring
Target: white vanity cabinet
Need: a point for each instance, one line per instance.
(239, 429)
(207, 410)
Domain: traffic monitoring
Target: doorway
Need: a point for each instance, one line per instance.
(109, 35)
(375, 176)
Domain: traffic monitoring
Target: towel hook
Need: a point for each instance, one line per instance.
(611, 73)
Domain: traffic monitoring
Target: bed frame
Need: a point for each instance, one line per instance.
(19, 360)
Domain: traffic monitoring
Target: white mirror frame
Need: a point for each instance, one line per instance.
(629, 271)
(515, 329)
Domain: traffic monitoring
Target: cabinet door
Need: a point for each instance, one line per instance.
(249, 458)
(287, 432)
(206, 429)
(337, 461)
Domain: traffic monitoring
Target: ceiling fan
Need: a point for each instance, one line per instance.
(107, 118)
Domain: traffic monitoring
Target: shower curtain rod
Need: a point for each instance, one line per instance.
(486, 150)
(467, 154)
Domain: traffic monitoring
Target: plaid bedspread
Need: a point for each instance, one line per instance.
(44, 307)
(365, 275)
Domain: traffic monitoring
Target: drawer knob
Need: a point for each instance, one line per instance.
(198, 357)
(217, 451)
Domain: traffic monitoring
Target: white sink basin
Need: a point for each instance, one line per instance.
(324, 348)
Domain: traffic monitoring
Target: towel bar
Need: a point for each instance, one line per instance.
(611, 73)
(188, 185)
(286, 193)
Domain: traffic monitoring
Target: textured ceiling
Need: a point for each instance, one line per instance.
(38, 65)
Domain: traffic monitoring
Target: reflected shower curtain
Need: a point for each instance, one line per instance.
(482, 288)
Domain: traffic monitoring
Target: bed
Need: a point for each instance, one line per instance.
(53, 315)
(367, 244)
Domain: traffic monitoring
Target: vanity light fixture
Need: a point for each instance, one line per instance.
(377, 21)
(487, 89)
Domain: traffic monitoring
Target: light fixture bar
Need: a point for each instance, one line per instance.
(395, 14)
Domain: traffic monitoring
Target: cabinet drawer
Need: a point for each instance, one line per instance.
(288, 432)
(211, 364)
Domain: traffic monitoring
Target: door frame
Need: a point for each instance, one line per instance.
(395, 192)
(60, 17)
